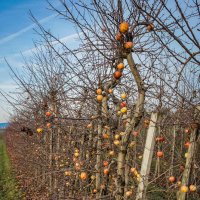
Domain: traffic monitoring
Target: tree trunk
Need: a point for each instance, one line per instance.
(134, 120)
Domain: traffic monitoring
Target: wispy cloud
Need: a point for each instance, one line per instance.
(18, 33)
(17, 59)
(7, 87)
(30, 51)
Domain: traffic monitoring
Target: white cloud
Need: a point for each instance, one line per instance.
(18, 33)
(5, 110)
(13, 60)
(4, 117)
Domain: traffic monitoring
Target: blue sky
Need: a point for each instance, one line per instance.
(17, 36)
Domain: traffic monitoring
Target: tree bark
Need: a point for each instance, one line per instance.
(134, 120)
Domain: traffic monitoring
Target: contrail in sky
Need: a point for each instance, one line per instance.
(18, 33)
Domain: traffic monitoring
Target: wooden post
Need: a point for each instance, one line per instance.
(147, 158)
(188, 165)
(99, 152)
(51, 162)
(189, 159)
(173, 150)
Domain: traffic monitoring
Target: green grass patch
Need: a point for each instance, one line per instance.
(8, 184)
